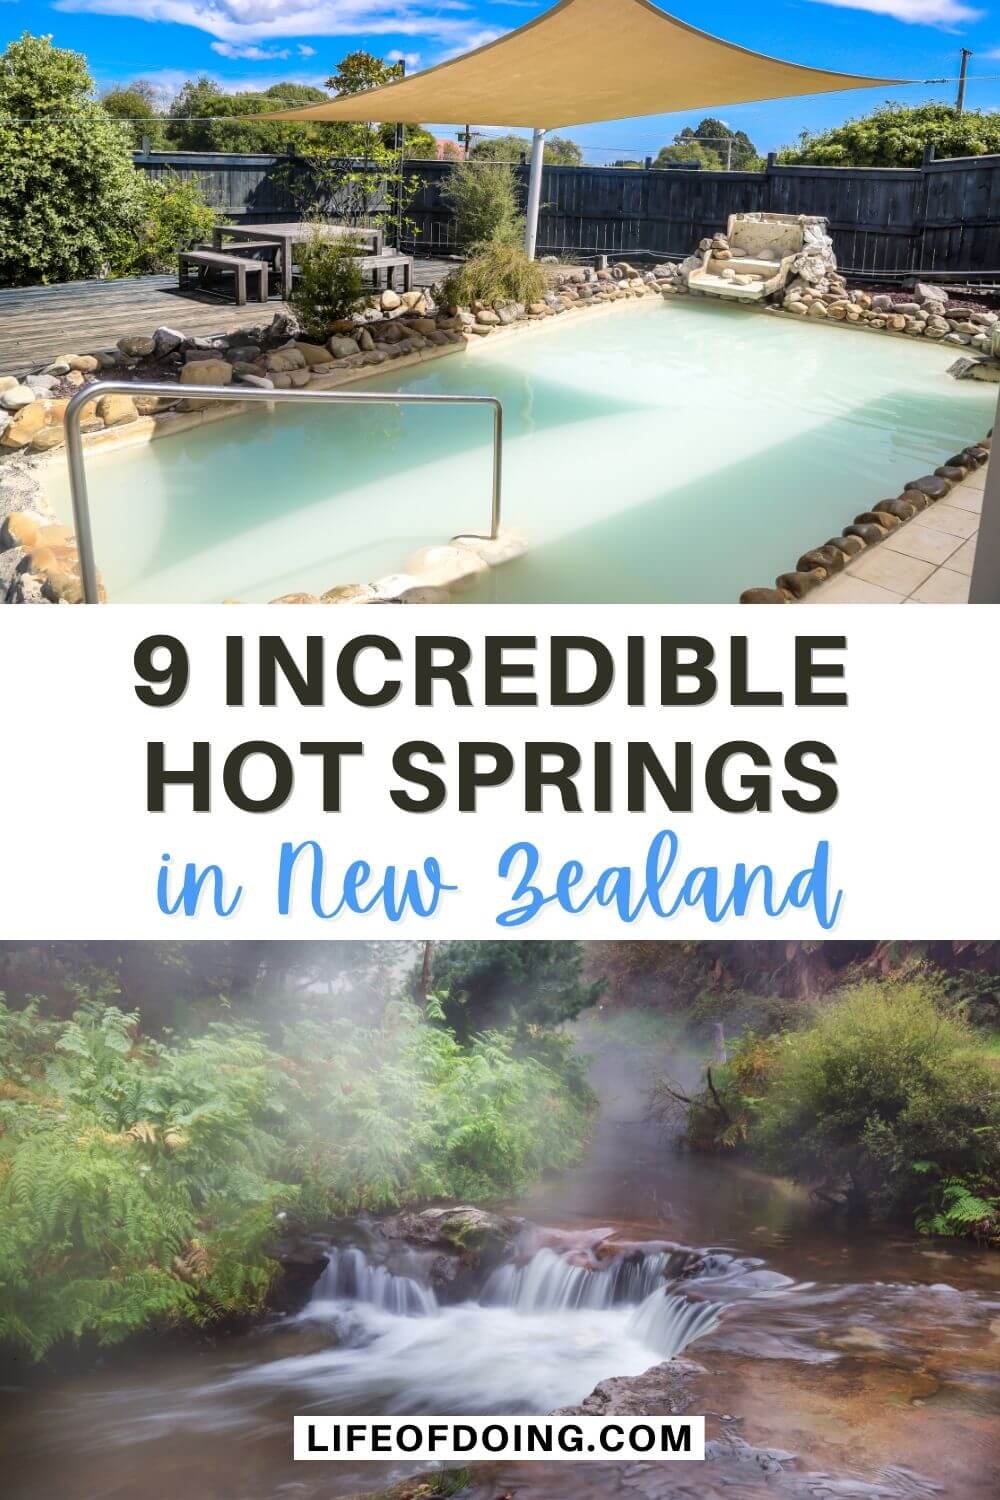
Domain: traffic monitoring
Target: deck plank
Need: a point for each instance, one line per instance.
(39, 322)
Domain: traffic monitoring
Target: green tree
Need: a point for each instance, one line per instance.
(884, 1093)
(489, 985)
(714, 145)
(560, 151)
(204, 118)
(136, 105)
(894, 135)
(70, 198)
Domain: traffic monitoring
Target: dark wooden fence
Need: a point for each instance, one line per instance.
(942, 218)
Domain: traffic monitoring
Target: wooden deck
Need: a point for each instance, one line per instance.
(77, 317)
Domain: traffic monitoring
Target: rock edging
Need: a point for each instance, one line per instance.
(870, 527)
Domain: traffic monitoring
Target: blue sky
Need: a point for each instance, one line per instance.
(251, 43)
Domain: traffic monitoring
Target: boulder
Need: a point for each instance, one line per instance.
(930, 485)
(390, 301)
(280, 361)
(42, 385)
(20, 529)
(48, 437)
(412, 300)
(662, 1391)
(17, 396)
(23, 426)
(117, 411)
(341, 348)
(487, 318)
(764, 596)
(207, 372)
(137, 346)
(830, 558)
(799, 584)
(879, 518)
(166, 341)
(471, 1231)
(295, 599)
(348, 593)
(868, 532)
(313, 354)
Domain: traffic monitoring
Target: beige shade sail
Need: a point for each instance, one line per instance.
(583, 61)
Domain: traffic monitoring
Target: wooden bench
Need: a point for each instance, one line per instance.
(389, 262)
(204, 261)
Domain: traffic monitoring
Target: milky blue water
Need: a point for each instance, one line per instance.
(675, 451)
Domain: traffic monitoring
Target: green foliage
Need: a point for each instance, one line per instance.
(175, 217)
(493, 985)
(714, 146)
(495, 273)
(954, 1207)
(136, 105)
(894, 135)
(484, 200)
(560, 151)
(204, 118)
(134, 1180)
(882, 1084)
(70, 199)
(141, 1181)
(329, 284)
(403, 1112)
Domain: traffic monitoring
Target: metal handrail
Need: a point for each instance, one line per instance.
(89, 393)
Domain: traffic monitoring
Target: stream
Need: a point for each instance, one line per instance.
(874, 1359)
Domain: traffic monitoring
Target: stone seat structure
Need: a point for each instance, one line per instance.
(752, 260)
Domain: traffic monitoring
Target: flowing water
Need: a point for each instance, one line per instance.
(661, 453)
(874, 1359)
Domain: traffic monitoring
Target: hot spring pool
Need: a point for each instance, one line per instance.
(667, 452)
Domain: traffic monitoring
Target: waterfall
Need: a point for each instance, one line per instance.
(351, 1277)
(669, 1323)
(549, 1281)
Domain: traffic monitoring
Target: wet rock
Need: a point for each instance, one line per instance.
(830, 558)
(801, 583)
(764, 596)
(473, 1231)
(901, 509)
(954, 473)
(868, 531)
(662, 1391)
(879, 518)
(930, 485)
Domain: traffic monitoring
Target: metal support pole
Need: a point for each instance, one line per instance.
(985, 585)
(963, 70)
(534, 194)
(238, 395)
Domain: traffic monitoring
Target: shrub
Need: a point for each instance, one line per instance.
(484, 200)
(70, 198)
(496, 273)
(329, 283)
(881, 1094)
(174, 217)
(140, 1181)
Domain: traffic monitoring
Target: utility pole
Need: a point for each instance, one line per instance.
(960, 101)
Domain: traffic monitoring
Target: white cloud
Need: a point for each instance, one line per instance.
(304, 51)
(445, 21)
(411, 59)
(250, 53)
(947, 14)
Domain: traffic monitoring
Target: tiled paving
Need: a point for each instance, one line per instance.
(928, 560)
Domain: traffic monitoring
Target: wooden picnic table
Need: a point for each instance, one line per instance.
(289, 235)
